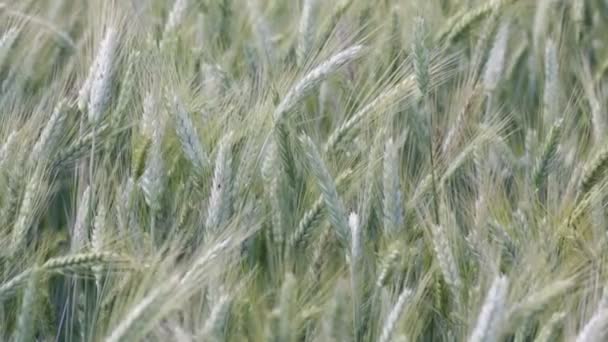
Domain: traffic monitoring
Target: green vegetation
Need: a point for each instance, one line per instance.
(353, 170)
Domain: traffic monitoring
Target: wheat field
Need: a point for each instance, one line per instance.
(303, 170)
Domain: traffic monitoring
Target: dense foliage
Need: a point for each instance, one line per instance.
(353, 170)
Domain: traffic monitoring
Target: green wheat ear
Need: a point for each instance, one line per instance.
(595, 171)
(389, 262)
(313, 215)
(462, 21)
(491, 318)
(25, 323)
(140, 152)
(548, 154)
(333, 203)
(394, 315)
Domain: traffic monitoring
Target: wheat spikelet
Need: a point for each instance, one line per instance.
(334, 205)
(496, 60)
(577, 11)
(586, 201)
(356, 236)
(191, 144)
(80, 260)
(51, 133)
(388, 263)
(454, 135)
(309, 219)
(80, 230)
(214, 82)
(6, 42)
(596, 329)
(603, 68)
(598, 119)
(370, 184)
(97, 239)
(213, 329)
(123, 202)
(421, 57)
(10, 204)
(393, 216)
(25, 322)
(129, 323)
(84, 93)
(603, 304)
(220, 198)
(9, 287)
(152, 181)
(481, 45)
(176, 16)
(313, 215)
(127, 86)
(595, 171)
(549, 151)
(547, 331)
(551, 93)
(285, 309)
(337, 14)
(490, 319)
(306, 30)
(286, 170)
(299, 90)
(325, 241)
(149, 119)
(403, 89)
(269, 162)
(356, 269)
(7, 148)
(279, 219)
(464, 155)
(272, 173)
(335, 324)
(542, 298)
(226, 15)
(149, 124)
(541, 14)
(78, 147)
(516, 59)
(393, 317)
(462, 21)
(100, 82)
(24, 218)
(530, 146)
(261, 30)
(203, 259)
(446, 260)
